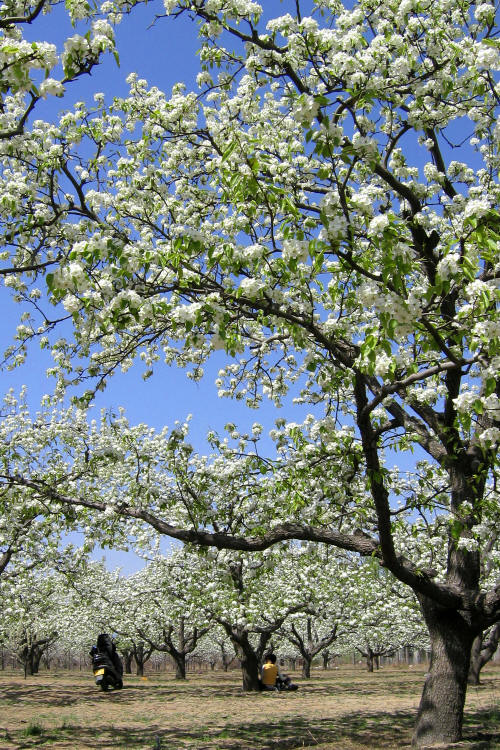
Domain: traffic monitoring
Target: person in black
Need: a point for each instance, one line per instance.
(106, 649)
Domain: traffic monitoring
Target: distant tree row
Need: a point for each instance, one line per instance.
(222, 608)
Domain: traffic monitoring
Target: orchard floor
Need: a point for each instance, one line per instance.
(342, 709)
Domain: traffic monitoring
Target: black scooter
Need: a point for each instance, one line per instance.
(106, 664)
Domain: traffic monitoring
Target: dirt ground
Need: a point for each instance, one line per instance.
(342, 709)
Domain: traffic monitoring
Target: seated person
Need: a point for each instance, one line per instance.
(270, 673)
(271, 679)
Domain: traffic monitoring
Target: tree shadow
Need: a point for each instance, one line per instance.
(377, 731)
(352, 730)
(374, 731)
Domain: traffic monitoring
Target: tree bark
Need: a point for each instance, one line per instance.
(326, 658)
(306, 666)
(250, 671)
(369, 660)
(180, 665)
(440, 714)
(127, 660)
(141, 655)
(249, 659)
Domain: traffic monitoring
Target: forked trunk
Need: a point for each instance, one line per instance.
(249, 660)
(483, 649)
(440, 714)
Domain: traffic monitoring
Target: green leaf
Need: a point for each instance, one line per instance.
(229, 150)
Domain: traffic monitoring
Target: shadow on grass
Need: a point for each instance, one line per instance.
(349, 732)
(67, 695)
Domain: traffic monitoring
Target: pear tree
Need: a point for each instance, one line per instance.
(162, 615)
(32, 605)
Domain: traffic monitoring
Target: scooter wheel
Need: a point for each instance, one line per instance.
(119, 685)
(104, 685)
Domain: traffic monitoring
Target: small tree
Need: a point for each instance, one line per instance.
(483, 649)
(32, 616)
(160, 611)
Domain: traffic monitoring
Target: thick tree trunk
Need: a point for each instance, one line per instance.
(369, 660)
(180, 666)
(306, 667)
(248, 656)
(440, 714)
(250, 672)
(36, 659)
(249, 661)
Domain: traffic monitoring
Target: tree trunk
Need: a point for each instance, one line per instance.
(36, 659)
(127, 659)
(440, 714)
(475, 661)
(180, 665)
(250, 667)
(139, 659)
(306, 666)
(326, 658)
(250, 672)
(247, 655)
(369, 660)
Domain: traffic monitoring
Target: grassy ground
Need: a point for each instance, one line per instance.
(344, 709)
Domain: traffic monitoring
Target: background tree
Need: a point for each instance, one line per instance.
(332, 581)
(248, 597)
(387, 619)
(32, 614)
(483, 649)
(163, 614)
(216, 648)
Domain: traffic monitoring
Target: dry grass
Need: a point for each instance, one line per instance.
(344, 709)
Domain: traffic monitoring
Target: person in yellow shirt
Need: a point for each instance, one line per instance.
(270, 673)
(271, 679)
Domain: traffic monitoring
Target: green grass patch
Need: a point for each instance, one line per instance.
(34, 729)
